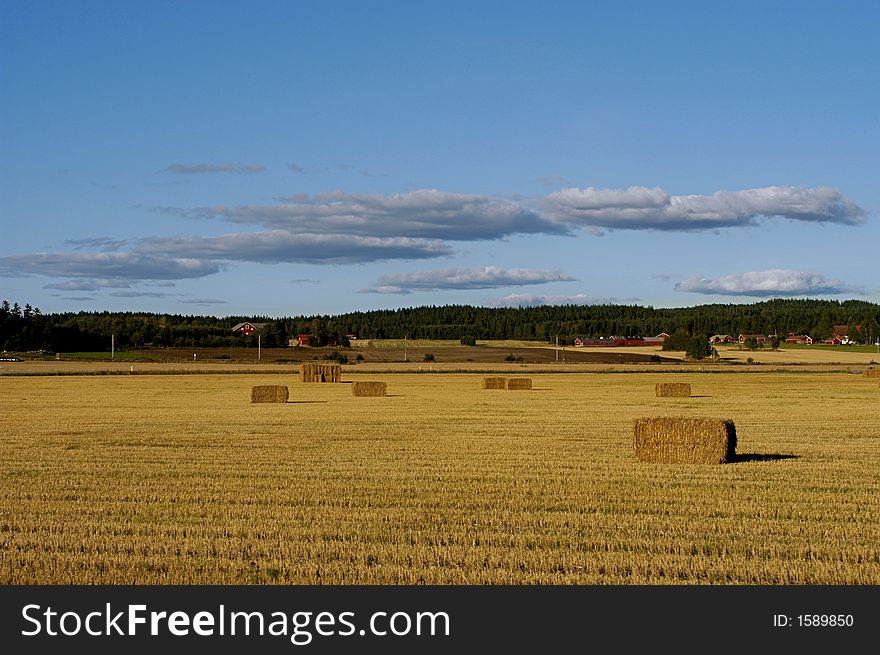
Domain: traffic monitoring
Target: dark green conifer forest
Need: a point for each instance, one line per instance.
(27, 329)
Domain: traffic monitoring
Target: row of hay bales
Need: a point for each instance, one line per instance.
(319, 372)
(513, 384)
(277, 393)
(667, 439)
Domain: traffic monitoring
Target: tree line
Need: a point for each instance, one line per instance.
(27, 329)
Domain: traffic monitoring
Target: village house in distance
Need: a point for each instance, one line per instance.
(248, 328)
(840, 337)
(581, 342)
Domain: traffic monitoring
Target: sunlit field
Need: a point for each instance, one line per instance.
(180, 479)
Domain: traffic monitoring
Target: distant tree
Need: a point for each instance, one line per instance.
(752, 343)
(774, 342)
(318, 334)
(468, 341)
(699, 347)
(678, 341)
(273, 335)
(429, 357)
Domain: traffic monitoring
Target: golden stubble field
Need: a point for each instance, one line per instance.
(181, 480)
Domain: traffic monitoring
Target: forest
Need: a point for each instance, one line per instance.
(24, 329)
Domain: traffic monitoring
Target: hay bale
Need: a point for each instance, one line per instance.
(672, 390)
(517, 384)
(685, 440)
(269, 393)
(368, 389)
(872, 372)
(494, 383)
(319, 372)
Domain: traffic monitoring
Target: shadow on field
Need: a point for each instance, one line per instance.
(305, 402)
(763, 457)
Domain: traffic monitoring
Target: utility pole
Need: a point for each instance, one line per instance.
(112, 346)
(404, 347)
(557, 348)
(259, 351)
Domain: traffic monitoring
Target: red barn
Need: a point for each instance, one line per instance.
(248, 328)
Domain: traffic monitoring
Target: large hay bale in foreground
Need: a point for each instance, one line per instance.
(319, 372)
(368, 389)
(269, 393)
(872, 372)
(685, 440)
(494, 383)
(673, 390)
(519, 384)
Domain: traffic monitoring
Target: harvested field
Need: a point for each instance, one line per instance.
(519, 384)
(684, 440)
(269, 393)
(872, 373)
(672, 390)
(495, 383)
(368, 389)
(174, 480)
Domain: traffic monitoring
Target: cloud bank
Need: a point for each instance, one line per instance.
(338, 228)
(485, 277)
(423, 214)
(280, 246)
(108, 266)
(641, 208)
(774, 282)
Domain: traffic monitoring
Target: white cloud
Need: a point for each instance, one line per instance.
(107, 266)
(641, 208)
(485, 277)
(774, 282)
(277, 246)
(424, 214)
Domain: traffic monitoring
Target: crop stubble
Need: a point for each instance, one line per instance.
(176, 479)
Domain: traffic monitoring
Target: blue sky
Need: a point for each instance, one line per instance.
(281, 158)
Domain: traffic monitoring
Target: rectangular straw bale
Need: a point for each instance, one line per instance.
(872, 372)
(269, 393)
(516, 384)
(494, 383)
(673, 389)
(368, 389)
(685, 440)
(320, 372)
